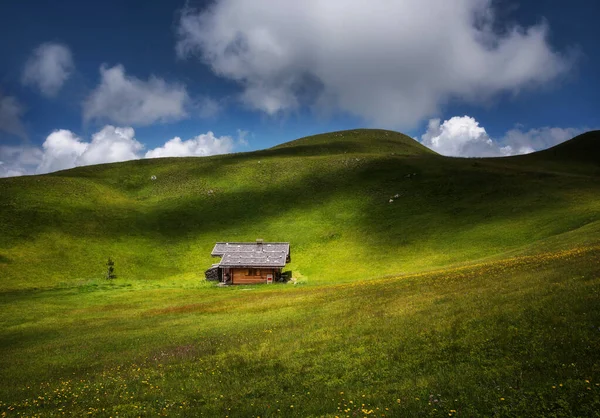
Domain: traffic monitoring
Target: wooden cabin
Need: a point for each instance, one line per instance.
(249, 262)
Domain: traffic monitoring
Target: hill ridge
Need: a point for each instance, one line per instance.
(384, 201)
(359, 140)
(584, 147)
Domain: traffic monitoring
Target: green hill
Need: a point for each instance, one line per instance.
(477, 279)
(331, 200)
(583, 148)
(355, 141)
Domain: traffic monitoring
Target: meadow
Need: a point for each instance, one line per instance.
(474, 292)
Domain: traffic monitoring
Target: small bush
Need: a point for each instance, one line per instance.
(110, 270)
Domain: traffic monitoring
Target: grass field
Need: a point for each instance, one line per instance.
(475, 292)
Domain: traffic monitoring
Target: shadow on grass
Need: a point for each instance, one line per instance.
(442, 190)
(437, 198)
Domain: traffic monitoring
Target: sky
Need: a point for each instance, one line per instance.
(95, 82)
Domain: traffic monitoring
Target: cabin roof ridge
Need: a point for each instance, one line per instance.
(251, 242)
(241, 254)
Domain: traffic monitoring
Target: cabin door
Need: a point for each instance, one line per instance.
(227, 276)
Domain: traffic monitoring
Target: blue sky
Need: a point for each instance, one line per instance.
(92, 82)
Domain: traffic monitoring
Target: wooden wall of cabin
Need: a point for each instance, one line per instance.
(241, 276)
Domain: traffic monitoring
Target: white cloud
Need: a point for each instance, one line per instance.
(462, 136)
(390, 62)
(201, 145)
(126, 100)
(11, 112)
(459, 136)
(48, 67)
(112, 145)
(63, 149)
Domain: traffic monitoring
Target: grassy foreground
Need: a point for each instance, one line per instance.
(516, 337)
(475, 292)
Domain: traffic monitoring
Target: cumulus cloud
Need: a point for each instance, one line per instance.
(462, 136)
(11, 112)
(201, 145)
(112, 145)
(63, 149)
(127, 100)
(48, 67)
(390, 62)
(459, 136)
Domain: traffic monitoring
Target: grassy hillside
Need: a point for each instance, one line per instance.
(584, 148)
(475, 292)
(331, 200)
(517, 337)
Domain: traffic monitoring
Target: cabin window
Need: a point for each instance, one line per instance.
(253, 272)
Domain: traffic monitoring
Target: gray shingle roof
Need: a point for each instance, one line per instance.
(252, 254)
